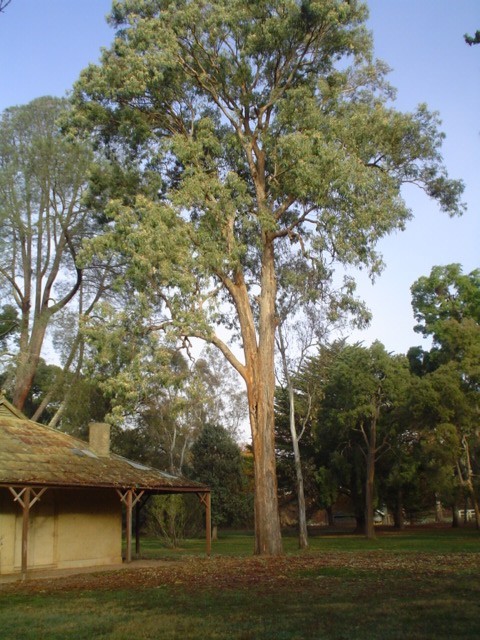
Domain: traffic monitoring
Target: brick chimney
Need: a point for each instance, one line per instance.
(99, 438)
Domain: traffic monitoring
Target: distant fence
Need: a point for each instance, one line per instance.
(470, 514)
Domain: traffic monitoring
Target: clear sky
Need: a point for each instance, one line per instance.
(44, 44)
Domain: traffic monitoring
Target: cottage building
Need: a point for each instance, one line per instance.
(61, 499)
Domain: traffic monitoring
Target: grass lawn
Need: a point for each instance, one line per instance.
(419, 584)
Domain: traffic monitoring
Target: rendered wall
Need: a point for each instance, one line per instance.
(67, 529)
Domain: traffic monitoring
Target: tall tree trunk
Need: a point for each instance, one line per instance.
(28, 362)
(302, 515)
(398, 517)
(268, 539)
(438, 509)
(469, 484)
(455, 517)
(370, 437)
(258, 373)
(330, 517)
(369, 494)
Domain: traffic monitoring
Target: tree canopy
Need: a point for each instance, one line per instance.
(446, 305)
(217, 462)
(43, 178)
(472, 39)
(255, 128)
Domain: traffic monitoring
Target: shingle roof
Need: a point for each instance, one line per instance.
(33, 454)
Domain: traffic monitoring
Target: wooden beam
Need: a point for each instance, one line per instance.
(26, 498)
(208, 523)
(206, 500)
(128, 503)
(138, 506)
(25, 523)
(130, 498)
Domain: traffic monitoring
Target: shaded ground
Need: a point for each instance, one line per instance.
(191, 574)
(420, 587)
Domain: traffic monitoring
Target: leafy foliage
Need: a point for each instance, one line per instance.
(217, 462)
(167, 517)
(43, 178)
(472, 39)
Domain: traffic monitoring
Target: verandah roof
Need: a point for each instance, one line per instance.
(36, 455)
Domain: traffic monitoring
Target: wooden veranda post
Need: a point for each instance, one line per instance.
(206, 499)
(26, 498)
(208, 523)
(129, 498)
(25, 523)
(129, 507)
(137, 529)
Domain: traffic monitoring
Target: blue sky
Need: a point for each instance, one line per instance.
(44, 44)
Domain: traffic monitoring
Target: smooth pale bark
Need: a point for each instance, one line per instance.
(369, 490)
(370, 437)
(302, 515)
(438, 509)
(31, 342)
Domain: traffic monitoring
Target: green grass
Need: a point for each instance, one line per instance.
(419, 584)
(239, 543)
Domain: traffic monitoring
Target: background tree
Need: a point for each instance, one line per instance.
(302, 326)
(155, 404)
(417, 470)
(364, 385)
(9, 324)
(221, 396)
(472, 39)
(217, 462)
(43, 178)
(447, 307)
(160, 399)
(243, 112)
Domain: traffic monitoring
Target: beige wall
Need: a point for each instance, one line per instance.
(68, 529)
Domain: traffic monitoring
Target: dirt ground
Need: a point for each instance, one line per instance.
(232, 573)
(53, 574)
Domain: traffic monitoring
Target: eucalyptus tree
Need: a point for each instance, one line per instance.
(472, 39)
(160, 399)
(262, 122)
(8, 324)
(447, 308)
(440, 413)
(220, 392)
(43, 178)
